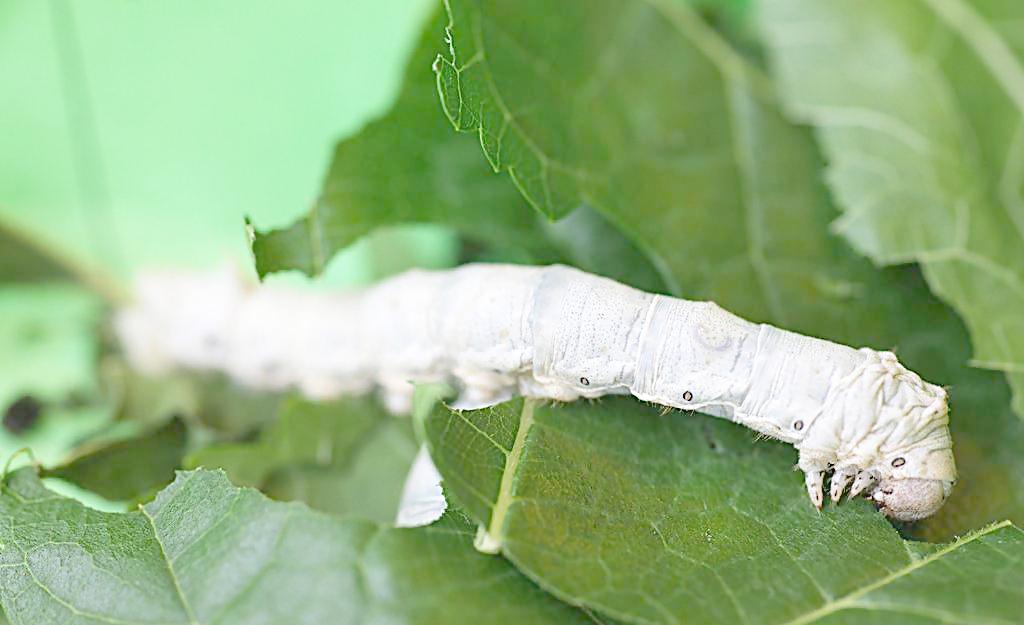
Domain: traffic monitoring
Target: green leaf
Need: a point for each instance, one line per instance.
(694, 161)
(919, 108)
(26, 258)
(651, 517)
(581, 108)
(406, 167)
(48, 337)
(208, 400)
(348, 456)
(409, 167)
(23, 261)
(48, 350)
(691, 159)
(589, 241)
(207, 553)
(130, 468)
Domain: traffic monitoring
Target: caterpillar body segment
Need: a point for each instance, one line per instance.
(554, 332)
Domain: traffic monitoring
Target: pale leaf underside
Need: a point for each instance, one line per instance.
(919, 107)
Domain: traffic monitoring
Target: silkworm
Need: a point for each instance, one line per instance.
(555, 332)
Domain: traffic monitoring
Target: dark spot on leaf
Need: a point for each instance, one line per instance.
(22, 414)
(709, 437)
(710, 16)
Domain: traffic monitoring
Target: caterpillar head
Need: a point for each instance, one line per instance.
(911, 499)
(887, 431)
(915, 462)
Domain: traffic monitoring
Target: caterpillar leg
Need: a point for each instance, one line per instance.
(814, 463)
(865, 479)
(814, 480)
(481, 387)
(840, 480)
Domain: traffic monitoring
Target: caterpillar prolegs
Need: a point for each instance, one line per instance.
(495, 331)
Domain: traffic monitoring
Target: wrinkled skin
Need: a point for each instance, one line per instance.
(902, 499)
(901, 453)
(558, 333)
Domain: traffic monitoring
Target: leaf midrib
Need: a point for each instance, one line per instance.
(849, 600)
(170, 567)
(501, 505)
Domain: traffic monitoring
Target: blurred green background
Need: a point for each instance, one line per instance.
(142, 133)
(136, 133)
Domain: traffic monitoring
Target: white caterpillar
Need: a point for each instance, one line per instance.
(559, 333)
